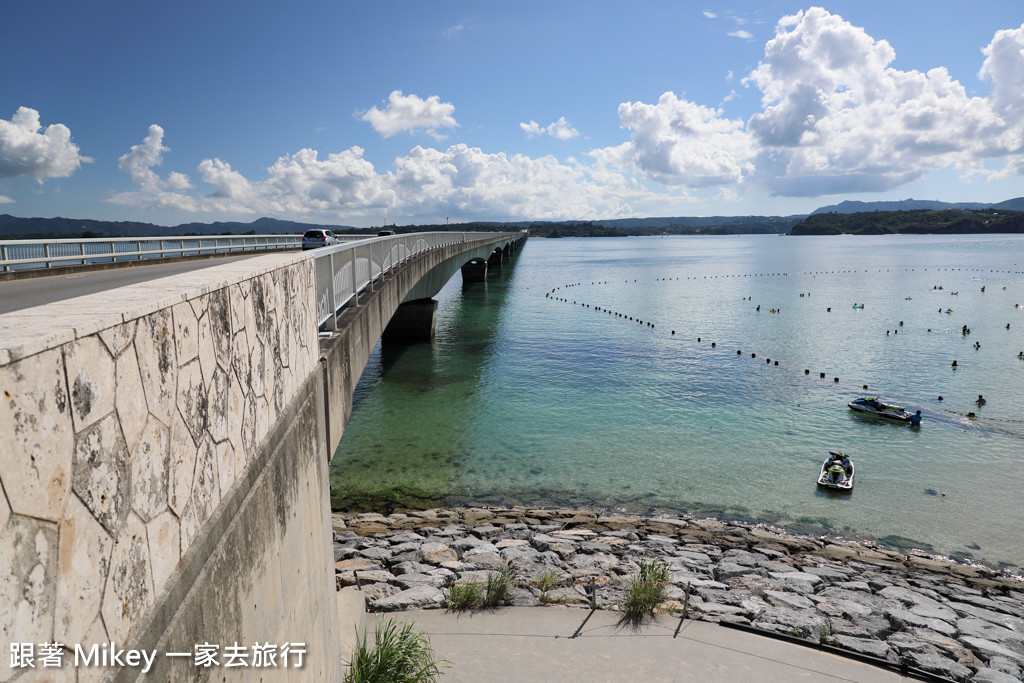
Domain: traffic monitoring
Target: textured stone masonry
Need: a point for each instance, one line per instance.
(122, 432)
(961, 622)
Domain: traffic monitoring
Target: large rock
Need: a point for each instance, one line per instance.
(867, 646)
(436, 553)
(420, 597)
(994, 676)
(725, 571)
(793, 601)
(937, 664)
(986, 631)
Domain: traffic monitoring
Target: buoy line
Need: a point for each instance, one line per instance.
(970, 416)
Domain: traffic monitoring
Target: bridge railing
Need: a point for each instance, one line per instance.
(345, 270)
(48, 253)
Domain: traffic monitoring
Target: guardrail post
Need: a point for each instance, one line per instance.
(332, 321)
(355, 280)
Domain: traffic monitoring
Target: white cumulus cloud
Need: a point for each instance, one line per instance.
(411, 114)
(678, 142)
(28, 149)
(835, 117)
(560, 129)
(5, 200)
(425, 184)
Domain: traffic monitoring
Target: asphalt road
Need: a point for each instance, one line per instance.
(24, 293)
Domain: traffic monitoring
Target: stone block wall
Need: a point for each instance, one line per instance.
(126, 437)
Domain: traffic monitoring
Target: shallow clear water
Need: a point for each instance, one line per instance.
(524, 398)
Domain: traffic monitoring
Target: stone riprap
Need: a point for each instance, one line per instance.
(953, 620)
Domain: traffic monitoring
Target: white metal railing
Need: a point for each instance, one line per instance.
(344, 270)
(47, 253)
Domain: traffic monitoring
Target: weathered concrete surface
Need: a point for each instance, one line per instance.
(259, 570)
(163, 474)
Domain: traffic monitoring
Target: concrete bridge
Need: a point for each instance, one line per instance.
(164, 460)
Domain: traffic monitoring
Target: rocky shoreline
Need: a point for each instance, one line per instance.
(962, 622)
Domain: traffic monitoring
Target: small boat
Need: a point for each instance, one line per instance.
(872, 406)
(846, 484)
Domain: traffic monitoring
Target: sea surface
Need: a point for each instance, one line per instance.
(638, 374)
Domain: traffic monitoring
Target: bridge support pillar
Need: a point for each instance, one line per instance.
(412, 321)
(474, 271)
(495, 259)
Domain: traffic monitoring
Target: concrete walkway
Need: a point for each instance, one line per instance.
(569, 644)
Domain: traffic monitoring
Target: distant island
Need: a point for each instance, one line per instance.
(909, 216)
(913, 222)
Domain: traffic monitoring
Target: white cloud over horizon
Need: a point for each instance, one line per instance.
(410, 114)
(835, 117)
(560, 129)
(27, 149)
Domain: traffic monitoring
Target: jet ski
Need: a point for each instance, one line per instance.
(872, 406)
(836, 481)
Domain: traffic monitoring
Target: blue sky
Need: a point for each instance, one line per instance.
(365, 113)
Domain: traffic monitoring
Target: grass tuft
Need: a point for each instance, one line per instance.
(399, 655)
(545, 583)
(646, 590)
(498, 591)
(462, 596)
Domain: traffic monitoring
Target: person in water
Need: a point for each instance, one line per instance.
(915, 419)
(981, 400)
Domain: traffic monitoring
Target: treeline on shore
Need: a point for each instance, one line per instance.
(915, 222)
(626, 228)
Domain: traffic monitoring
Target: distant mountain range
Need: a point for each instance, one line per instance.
(12, 227)
(917, 204)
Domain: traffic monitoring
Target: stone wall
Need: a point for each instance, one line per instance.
(163, 469)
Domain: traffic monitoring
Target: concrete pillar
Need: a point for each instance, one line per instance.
(495, 259)
(474, 271)
(413, 321)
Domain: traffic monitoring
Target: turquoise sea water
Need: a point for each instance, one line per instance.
(525, 398)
